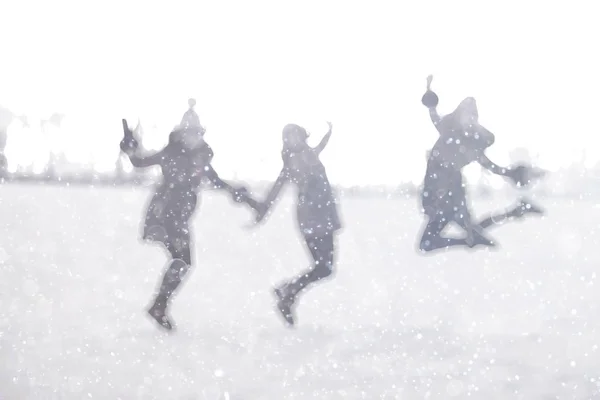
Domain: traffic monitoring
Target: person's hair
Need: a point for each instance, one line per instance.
(467, 106)
(293, 129)
(451, 122)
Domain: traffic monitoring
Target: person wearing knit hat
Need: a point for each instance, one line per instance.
(462, 141)
(184, 162)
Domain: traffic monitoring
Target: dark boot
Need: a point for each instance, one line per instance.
(481, 239)
(285, 303)
(171, 280)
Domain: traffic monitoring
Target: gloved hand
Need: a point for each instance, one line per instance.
(522, 175)
(128, 144)
(430, 99)
(240, 194)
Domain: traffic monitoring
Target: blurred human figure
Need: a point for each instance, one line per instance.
(316, 212)
(184, 162)
(462, 140)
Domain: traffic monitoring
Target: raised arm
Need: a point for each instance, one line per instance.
(435, 116)
(130, 146)
(145, 161)
(239, 195)
(430, 100)
(319, 148)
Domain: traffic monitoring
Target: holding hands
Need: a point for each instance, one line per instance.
(261, 212)
(241, 195)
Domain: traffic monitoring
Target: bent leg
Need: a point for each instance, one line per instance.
(322, 250)
(431, 238)
(525, 206)
(475, 233)
(177, 269)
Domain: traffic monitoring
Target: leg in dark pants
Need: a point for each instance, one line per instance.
(432, 238)
(525, 206)
(322, 250)
(179, 265)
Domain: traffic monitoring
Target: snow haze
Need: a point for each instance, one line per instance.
(518, 323)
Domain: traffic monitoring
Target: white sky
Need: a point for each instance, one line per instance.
(256, 65)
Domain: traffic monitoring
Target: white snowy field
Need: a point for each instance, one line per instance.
(517, 323)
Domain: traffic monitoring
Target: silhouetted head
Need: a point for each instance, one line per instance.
(467, 111)
(468, 117)
(294, 137)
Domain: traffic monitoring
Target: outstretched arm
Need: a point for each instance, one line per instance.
(319, 148)
(273, 194)
(486, 163)
(214, 178)
(521, 175)
(239, 195)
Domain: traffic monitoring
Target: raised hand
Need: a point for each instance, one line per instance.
(128, 144)
(430, 99)
(429, 79)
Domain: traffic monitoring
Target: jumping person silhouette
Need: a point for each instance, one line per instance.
(462, 141)
(184, 162)
(316, 212)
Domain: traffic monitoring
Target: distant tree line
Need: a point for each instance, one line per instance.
(574, 181)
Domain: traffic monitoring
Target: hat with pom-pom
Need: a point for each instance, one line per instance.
(190, 118)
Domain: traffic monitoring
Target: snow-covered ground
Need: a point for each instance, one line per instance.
(517, 323)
